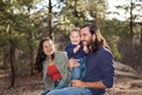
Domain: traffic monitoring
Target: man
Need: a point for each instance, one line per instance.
(100, 70)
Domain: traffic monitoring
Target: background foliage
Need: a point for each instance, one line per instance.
(23, 23)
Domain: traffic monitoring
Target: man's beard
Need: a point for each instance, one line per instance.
(86, 43)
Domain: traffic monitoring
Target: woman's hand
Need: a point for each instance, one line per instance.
(73, 63)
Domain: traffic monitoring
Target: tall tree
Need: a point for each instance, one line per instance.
(133, 7)
(50, 20)
(12, 14)
(12, 56)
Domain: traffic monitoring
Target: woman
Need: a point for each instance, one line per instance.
(52, 64)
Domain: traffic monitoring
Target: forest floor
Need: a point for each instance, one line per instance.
(27, 85)
(127, 82)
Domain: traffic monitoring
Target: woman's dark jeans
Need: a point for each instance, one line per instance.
(56, 84)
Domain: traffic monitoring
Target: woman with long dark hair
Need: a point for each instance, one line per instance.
(53, 64)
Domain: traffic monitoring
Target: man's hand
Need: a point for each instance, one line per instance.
(78, 83)
(73, 63)
(85, 48)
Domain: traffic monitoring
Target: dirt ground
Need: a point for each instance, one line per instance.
(29, 85)
(125, 84)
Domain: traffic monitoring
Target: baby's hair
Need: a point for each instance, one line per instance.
(74, 30)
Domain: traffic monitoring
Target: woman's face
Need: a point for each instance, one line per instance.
(48, 48)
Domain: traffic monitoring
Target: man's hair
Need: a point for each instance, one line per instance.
(100, 40)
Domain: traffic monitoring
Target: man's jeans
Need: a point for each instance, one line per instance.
(70, 91)
(79, 72)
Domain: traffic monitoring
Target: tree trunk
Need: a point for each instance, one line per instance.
(141, 35)
(12, 58)
(131, 21)
(5, 63)
(31, 49)
(12, 54)
(31, 60)
(51, 34)
(31, 55)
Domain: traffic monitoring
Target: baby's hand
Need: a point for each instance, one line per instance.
(85, 48)
(76, 48)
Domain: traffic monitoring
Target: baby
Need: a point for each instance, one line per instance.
(75, 50)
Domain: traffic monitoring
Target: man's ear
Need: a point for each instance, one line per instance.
(93, 37)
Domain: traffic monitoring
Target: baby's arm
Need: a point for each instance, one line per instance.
(76, 48)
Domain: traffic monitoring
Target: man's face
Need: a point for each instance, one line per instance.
(86, 36)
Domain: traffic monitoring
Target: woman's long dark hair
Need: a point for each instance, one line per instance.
(100, 40)
(41, 57)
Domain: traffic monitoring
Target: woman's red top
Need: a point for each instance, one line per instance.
(53, 72)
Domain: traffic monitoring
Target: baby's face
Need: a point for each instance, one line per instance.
(75, 37)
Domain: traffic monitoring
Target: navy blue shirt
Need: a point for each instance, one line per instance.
(69, 49)
(100, 67)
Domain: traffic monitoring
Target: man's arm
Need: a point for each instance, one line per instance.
(95, 85)
(72, 63)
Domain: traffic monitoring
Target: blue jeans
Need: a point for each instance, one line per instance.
(56, 84)
(44, 92)
(79, 72)
(70, 91)
(62, 86)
